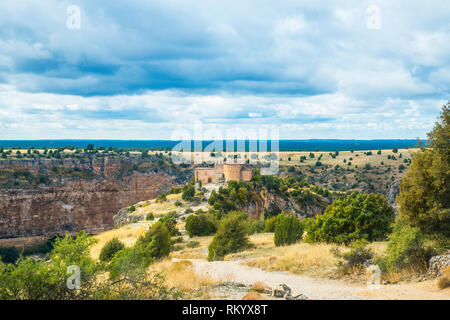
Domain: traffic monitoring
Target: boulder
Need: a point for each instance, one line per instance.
(438, 263)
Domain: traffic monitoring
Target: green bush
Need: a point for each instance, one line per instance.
(405, 249)
(288, 230)
(200, 225)
(177, 240)
(354, 260)
(356, 217)
(231, 237)
(170, 220)
(9, 254)
(255, 226)
(150, 216)
(110, 249)
(155, 243)
(188, 193)
(193, 244)
(271, 222)
(131, 209)
(178, 203)
(161, 198)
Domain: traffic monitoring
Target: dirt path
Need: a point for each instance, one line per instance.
(316, 288)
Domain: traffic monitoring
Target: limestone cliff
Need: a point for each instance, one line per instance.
(273, 203)
(70, 201)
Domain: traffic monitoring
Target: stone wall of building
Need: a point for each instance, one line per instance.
(232, 172)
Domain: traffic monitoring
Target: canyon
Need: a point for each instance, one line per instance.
(69, 202)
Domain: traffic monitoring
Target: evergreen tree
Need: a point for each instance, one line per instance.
(424, 198)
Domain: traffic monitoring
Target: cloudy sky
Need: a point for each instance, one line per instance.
(140, 69)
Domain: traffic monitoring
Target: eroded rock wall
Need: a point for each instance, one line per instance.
(72, 204)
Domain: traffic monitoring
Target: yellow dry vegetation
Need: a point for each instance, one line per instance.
(313, 259)
(181, 274)
(200, 252)
(127, 234)
(252, 295)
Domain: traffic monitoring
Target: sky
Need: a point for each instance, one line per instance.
(136, 69)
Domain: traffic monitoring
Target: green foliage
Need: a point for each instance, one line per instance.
(288, 230)
(9, 254)
(356, 217)
(170, 221)
(231, 237)
(161, 198)
(131, 209)
(188, 193)
(193, 244)
(254, 226)
(46, 279)
(154, 244)
(405, 249)
(354, 260)
(272, 222)
(424, 198)
(110, 249)
(200, 225)
(178, 203)
(150, 216)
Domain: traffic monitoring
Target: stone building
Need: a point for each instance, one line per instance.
(223, 173)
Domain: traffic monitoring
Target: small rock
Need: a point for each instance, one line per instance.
(301, 296)
(278, 293)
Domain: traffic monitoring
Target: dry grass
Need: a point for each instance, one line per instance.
(260, 286)
(444, 280)
(181, 274)
(127, 234)
(200, 252)
(252, 295)
(314, 259)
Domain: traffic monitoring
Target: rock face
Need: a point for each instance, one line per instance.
(393, 190)
(269, 201)
(438, 263)
(74, 203)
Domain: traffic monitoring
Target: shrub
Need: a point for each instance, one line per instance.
(110, 249)
(255, 226)
(188, 193)
(356, 217)
(178, 203)
(200, 225)
(444, 280)
(155, 243)
(405, 249)
(272, 222)
(9, 254)
(131, 209)
(231, 237)
(288, 230)
(161, 198)
(354, 260)
(170, 221)
(177, 240)
(150, 216)
(193, 244)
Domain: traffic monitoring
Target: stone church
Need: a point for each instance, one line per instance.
(223, 173)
